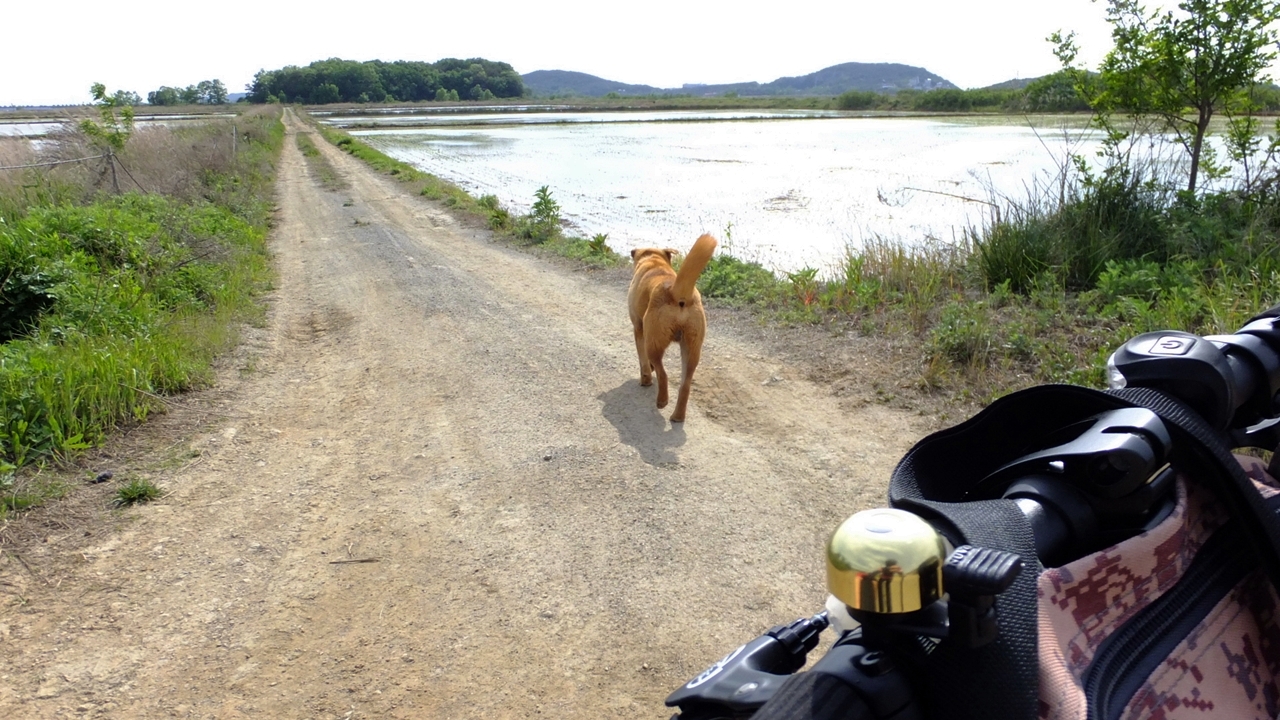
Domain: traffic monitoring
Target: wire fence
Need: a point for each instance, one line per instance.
(110, 156)
(51, 163)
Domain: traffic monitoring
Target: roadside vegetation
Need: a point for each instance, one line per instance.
(124, 270)
(542, 226)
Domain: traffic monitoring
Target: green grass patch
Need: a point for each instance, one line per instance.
(374, 158)
(111, 302)
(738, 283)
(320, 166)
(139, 293)
(137, 492)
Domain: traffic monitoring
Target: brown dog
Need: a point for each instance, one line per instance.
(665, 308)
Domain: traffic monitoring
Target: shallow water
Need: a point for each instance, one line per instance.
(790, 192)
(39, 128)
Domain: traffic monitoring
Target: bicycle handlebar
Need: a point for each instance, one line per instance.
(1112, 489)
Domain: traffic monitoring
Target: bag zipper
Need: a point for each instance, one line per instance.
(1127, 658)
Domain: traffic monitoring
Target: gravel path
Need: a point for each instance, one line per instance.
(436, 489)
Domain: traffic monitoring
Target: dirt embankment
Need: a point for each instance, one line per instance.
(432, 487)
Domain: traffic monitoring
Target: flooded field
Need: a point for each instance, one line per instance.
(792, 188)
(37, 127)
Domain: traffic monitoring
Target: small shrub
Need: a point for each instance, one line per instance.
(737, 282)
(25, 294)
(1014, 253)
(592, 252)
(964, 334)
(137, 491)
(1129, 279)
(499, 217)
(545, 208)
(857, 100)
(598, 244)
(542, 224)
(804, 285)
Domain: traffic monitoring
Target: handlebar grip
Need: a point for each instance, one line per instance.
(815, 696)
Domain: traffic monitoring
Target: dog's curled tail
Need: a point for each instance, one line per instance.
(694, 263)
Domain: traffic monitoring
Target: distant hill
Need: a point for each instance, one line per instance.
(1015, 84)
(879, 77)
(565, 82)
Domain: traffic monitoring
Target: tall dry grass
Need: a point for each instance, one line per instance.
(15, 152)
(186, 160)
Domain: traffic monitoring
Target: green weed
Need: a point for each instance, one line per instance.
(136, 492)
(320, 166)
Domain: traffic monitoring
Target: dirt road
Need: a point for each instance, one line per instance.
(432, 487)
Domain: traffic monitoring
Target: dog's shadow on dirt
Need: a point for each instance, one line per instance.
(630, 408)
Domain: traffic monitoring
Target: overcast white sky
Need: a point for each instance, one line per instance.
(51, 53)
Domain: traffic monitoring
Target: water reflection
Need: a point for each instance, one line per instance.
(793, 191)
(40, 128)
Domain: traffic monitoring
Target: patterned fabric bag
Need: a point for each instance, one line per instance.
(1149, 553)
(1178, 622)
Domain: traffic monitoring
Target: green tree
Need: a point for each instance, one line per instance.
(378, 81)
(212, 92)
(858, 100)
(945, 100)
(126, 97)
(1058, 92)
(326, 93)
(164, 96)
(1182, 67)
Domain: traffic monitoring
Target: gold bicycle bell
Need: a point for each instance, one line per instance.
(885, 561)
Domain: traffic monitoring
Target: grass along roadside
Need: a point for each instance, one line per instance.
(113, 301)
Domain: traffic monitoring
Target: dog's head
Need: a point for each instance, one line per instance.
(666, 254)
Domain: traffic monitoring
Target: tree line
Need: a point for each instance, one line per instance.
(211, 92)
(1063, 91)
(336, 81)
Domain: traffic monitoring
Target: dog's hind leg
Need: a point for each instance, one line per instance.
(655, 359)
(690, 353)
(645, 367)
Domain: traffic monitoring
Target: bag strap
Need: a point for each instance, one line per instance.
(1001, 680)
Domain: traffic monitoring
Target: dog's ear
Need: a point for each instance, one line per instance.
(633, 252)
(670, 253)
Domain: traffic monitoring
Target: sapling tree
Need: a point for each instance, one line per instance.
(1182, 67)
(115, 125)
